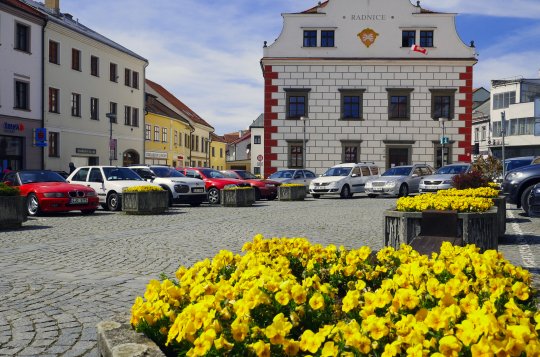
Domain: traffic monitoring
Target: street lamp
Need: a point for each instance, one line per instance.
(112, 119)
(503, 132)
(444, 140)
(304, 119)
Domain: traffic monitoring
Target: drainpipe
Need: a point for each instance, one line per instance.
(43, 90)
(191, 131)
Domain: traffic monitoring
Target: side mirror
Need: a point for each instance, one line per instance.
(354, 175)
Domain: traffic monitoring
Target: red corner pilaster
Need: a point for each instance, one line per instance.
(467, 103)
(269, 117)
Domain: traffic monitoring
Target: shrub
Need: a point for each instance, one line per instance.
(490, 168)
(287, 297)
(143, 188)
(472, 179)
(6, 190)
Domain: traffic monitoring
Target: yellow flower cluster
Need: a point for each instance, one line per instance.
(234, 188)
(143, 188)
(468, 200)
(486, 192)
(292, 185)
(287, 297)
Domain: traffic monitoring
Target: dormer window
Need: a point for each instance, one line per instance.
(310, 38)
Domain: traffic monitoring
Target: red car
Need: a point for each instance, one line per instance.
(47, 191)
(263, 188)
(214, 181)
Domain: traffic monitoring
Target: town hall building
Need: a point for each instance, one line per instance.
(362, 80)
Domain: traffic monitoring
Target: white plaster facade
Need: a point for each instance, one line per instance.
(17, 125)
(375, 70)
(80, 139)
(257, 145)
(521, 107)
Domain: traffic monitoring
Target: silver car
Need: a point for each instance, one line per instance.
(300, 176)
(399, 180)
(442, 178)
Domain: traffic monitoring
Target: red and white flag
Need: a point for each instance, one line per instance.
(417, 48)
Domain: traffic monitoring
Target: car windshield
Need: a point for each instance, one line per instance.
(452, 170)
(398, 171)
(166, 172)
(246, 175)
(514, 164)
(120, 173)
(282, 174)
(209, 173)
(40, 176)
(230, 174)
(338, 171)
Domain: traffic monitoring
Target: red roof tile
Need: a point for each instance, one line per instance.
(215, 137)
(190, 114)
(24, 7)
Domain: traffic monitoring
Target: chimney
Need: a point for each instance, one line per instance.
(53, 5)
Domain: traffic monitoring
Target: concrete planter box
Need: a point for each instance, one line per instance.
(153, 202)
(480, 229)
(12, 211)
(500, 203)
(117, 338)
(238, 198)
(291, 193)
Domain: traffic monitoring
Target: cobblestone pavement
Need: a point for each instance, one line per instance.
(60, 275)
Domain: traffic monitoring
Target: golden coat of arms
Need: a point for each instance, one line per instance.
(367, 36)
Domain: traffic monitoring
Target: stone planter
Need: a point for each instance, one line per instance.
(480, 229)
(238, 198)
(12, 211)
(500, 203)
(154, 202)
(117, 338)
(291, 193)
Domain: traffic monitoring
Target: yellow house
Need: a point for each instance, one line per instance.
(166, 133)
(218, 147)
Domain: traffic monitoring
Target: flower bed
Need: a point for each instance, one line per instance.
(288, 297)
(441, 202)
(237, 196)
(12, 207)
(291, 192)
(145, 200)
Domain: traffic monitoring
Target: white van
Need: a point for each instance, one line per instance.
(344, 180)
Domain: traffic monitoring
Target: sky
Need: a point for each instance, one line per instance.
(207, 52)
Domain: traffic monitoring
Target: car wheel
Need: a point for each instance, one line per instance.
(213, 196)
(88, 211)
(314, 195)
(257, 194)
(345, 192)
(525, 199)
(32, 205)
(113, 202)
(403, 190)
(371, 195)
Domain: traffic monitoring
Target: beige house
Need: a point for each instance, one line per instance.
(93, 95)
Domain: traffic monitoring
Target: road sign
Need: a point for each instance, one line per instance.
(41, 143)
(260, 158)
(444, 140)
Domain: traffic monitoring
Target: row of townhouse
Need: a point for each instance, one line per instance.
(513, 105)
(70, 94)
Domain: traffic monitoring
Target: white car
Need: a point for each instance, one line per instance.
(343, 180)
(108, 182)
(181, 189)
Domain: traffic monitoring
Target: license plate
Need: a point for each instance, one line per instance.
(78, 201)
(431, 187)
(377, 188)
(198, 190)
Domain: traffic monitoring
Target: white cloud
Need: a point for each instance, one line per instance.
(504, 8)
